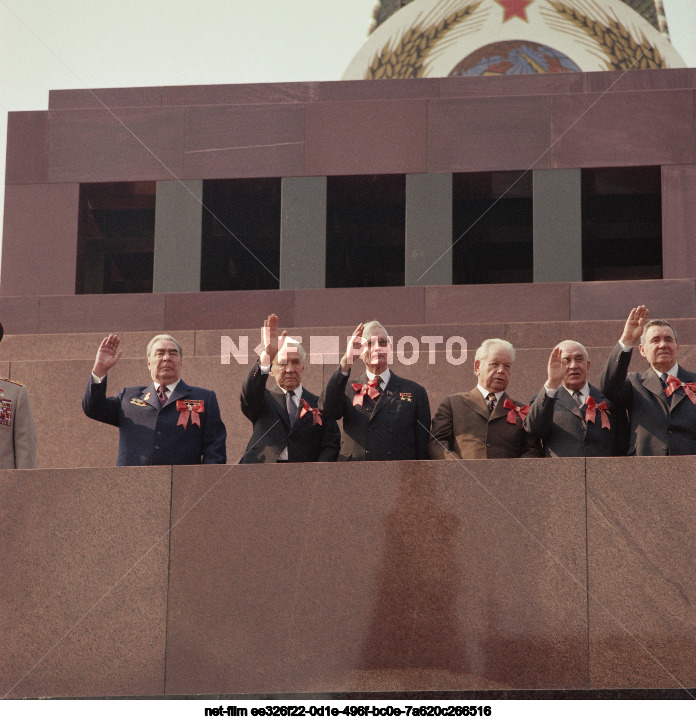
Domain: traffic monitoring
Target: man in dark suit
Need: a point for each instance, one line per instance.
(571, 416)
(661, 401)
(288, 425)
(165, 423)
(484, 422)
(385, 417)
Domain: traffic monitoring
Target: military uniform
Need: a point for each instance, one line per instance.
(17, 433)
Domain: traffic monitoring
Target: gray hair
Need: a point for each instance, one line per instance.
(581, 346)
(657, 322)
(369, 326)
(485, 348)
(164, 336)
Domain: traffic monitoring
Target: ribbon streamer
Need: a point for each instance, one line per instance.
(316, 413)
(370, 388)
(674, 383)
(189, 409)
(514, 411)
(591, 412)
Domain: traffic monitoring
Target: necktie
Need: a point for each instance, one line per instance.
(162, 395)
(578, 397)
(490, 402)
(292, 408)
(379, 382)
(663, 383)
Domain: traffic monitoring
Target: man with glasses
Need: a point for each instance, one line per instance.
(385, 417)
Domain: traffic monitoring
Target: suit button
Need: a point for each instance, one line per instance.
(488, 445)
(157, 448)
(159, 433)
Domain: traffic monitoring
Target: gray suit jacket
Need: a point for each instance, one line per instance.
(657, 427)
(560, 424)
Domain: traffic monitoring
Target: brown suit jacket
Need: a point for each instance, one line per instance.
(463, 428)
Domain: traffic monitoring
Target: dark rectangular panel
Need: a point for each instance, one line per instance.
(112, 145)
(630, 128)
(362, 137)
(84, 590)
(546, 84)
(239, 94)
(27, 148)
(620, 80)
(404, 576)
(501, 133)
(39, 248)
(641, 550)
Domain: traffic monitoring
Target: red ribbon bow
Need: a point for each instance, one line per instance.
(515, 411)
(674, 383)
(593, 407)
(189, 409)
(316, 413)
(369, 388)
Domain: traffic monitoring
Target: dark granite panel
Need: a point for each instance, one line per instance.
(614, 299)
(239, 94)
(125, 144)
(548, 335)
(678, 221)
(346, 306)
(497, 303)
(228, 309)
(19, 315)
(383, 90)
(27, 148)
(273, 591)
(243, 141)
(620, 80)
(99, 313)
(361, 137)
(641, 550)
(100, 97)
(629, 128)
(39, 244)
(84, 569)
(496, 133)
(510, 85)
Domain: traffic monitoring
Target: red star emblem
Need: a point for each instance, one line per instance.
(515, 9)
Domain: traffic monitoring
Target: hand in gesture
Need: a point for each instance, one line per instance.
(556, 369)
(355, 347)
(108, 355)
(633, 329)
(270, 340)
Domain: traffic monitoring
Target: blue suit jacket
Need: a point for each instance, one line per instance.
(149, 435)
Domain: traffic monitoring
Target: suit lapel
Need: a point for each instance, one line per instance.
(500, 410)
(181, 391)
(566, 400)
(280, 402)
(149, 395)
(652, 384)
(385, 396)
(475, 401)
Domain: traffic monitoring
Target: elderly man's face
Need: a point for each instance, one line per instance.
(164, 362)
(377, 350)
(287, 369)
(493, 371)
(576, 366)
(660, 348)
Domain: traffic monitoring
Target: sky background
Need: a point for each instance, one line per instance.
(56, 44)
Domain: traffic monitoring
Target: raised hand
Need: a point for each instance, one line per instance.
(556, 369)
(355, 347)
(270, 340)
(108, 355)
(633, 329)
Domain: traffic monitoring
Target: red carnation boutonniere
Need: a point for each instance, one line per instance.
(674, 383)
(316, 413)
(591, 412)
(514, 411)
(189, 409)
(369, 388)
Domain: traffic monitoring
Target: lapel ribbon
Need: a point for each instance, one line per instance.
(514, 411)
(369, 388)
(674, 383)
(316, 413)
(189, 409)
(591, 412)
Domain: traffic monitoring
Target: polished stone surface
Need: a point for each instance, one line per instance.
(641, 552)
(431, 575)
(84, 590)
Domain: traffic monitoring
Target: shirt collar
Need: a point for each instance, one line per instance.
(384, 375)
(584, 391)
(170, 386)
(673, 371)
(297, 391)
(485, 392)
